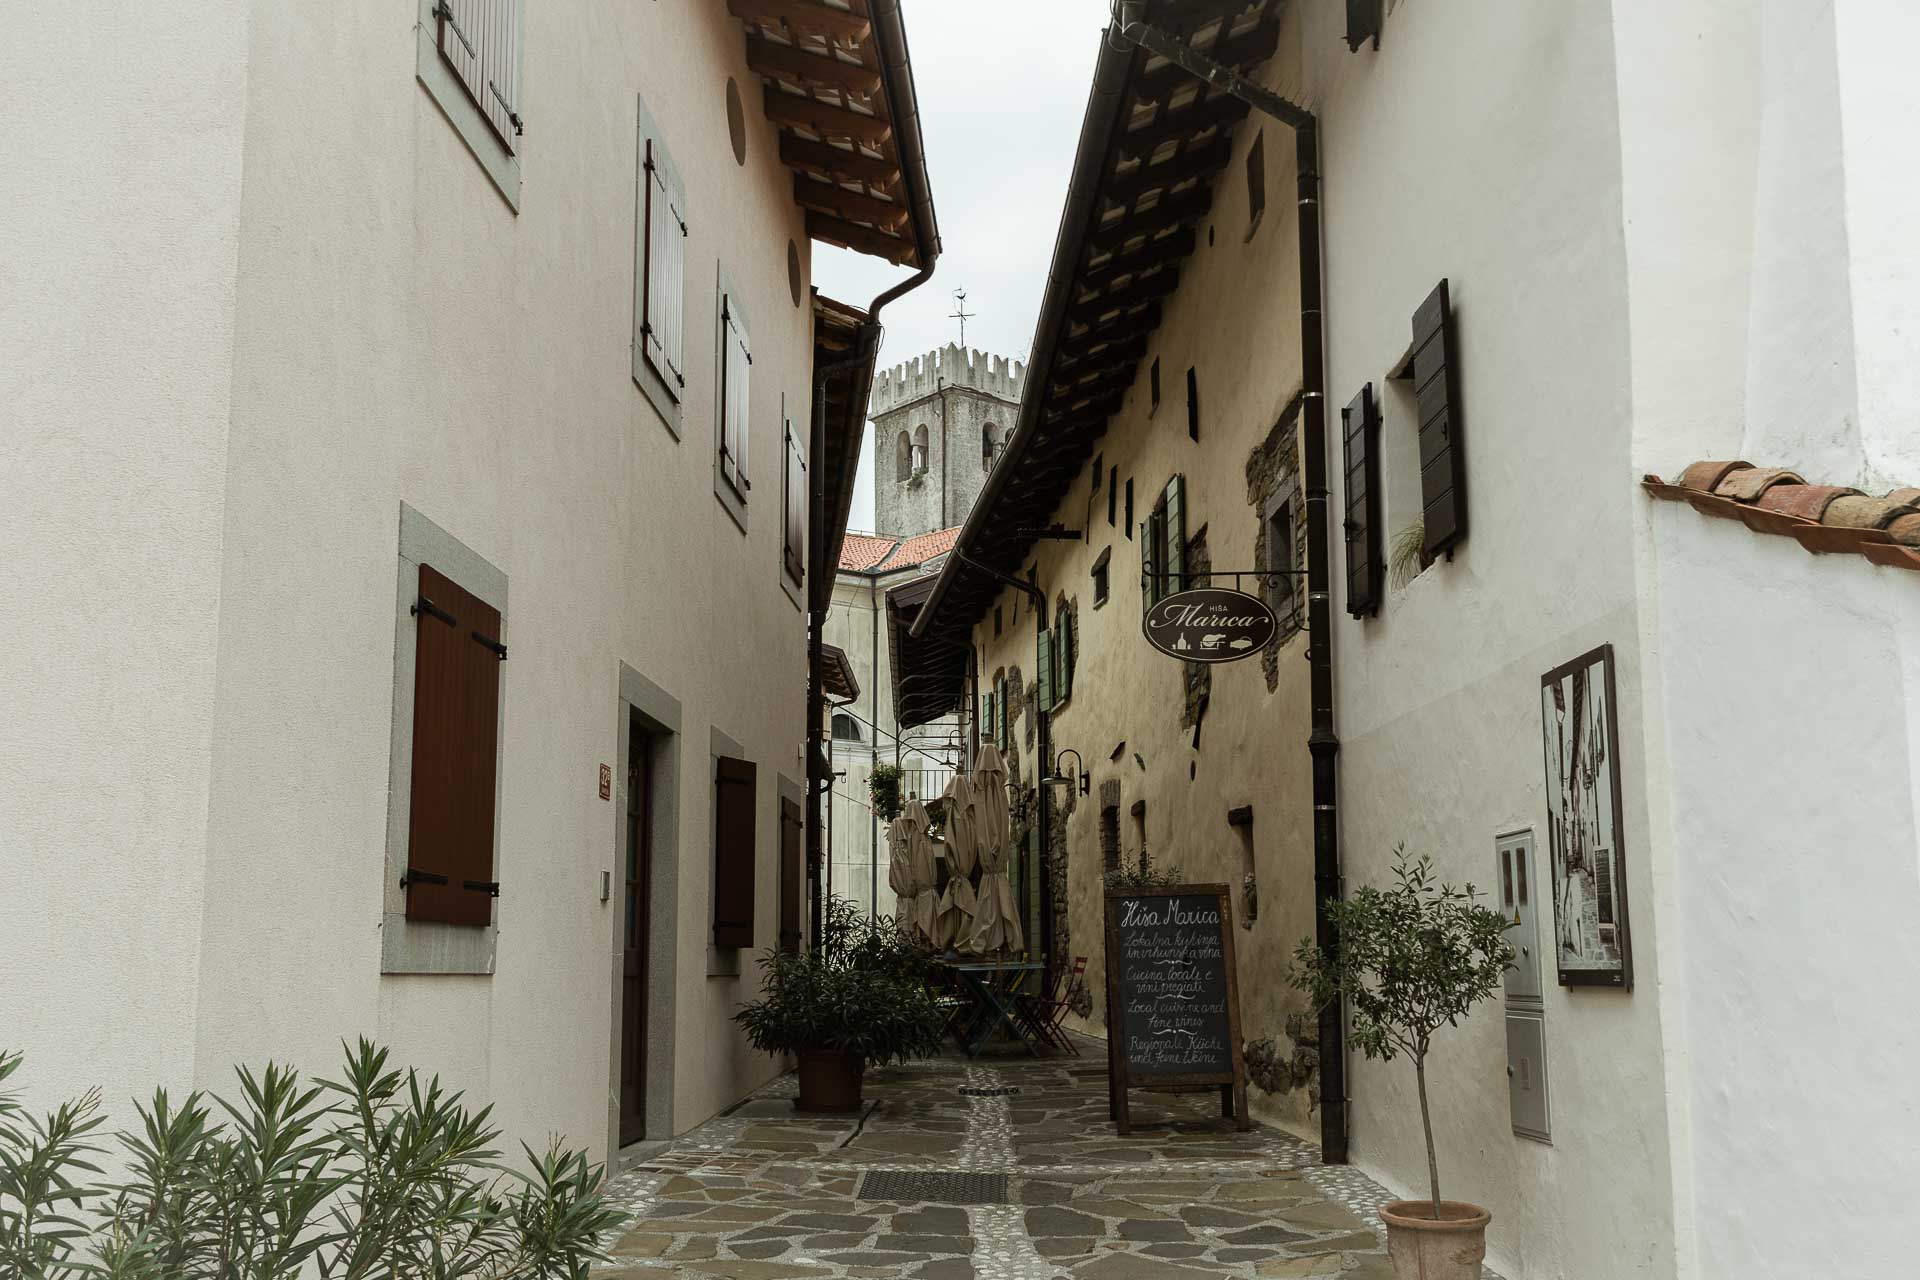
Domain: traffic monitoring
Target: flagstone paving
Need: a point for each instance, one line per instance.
(767, 1193)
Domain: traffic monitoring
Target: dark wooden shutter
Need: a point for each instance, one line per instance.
(1363, 23)
(791, 828)
(480, 39)
(1443, 460)
(796, 507)
(1360, 437)
(1006, 729)
(1063, 659)
(1151, 583)
(456, 734)
(736, 787)
(663, 269)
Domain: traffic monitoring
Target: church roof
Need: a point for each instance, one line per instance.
(882, 553)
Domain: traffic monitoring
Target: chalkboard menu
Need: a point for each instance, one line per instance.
(1173, 1001)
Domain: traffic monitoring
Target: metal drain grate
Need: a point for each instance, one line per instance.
(1001, 1091)
(934, 1188)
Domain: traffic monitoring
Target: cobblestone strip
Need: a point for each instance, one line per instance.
(1002, 1250)
(988, 1145)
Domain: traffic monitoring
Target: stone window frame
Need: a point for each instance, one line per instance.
(442, 84)
(426, 946)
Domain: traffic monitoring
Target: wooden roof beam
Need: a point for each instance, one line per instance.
(1251, 46)
(788, 62)
(1196, 163)
(1111, 354)
(1144, 257)
(837, 163)
(860, 239)
(1118, 328)
(852, 206)
(1148, 288)
(1164, 216)
(790, 110)
(836, 26)
(1184, 122)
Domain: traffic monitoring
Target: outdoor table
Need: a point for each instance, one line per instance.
(994, 986)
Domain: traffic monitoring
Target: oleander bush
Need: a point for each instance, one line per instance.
(375, 1176)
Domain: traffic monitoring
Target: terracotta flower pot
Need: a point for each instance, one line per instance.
(1423, 1248)
(829, 1080)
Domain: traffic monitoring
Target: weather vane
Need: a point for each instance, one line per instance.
(961, 313)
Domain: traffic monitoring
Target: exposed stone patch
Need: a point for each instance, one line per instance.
(1273, 476)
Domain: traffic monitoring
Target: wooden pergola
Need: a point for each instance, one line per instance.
(834, 80)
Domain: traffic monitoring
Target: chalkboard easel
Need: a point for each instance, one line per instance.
(1173, 996)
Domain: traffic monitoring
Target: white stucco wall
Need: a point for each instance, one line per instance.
(1509, 186)
(119, 237)
(363, 322)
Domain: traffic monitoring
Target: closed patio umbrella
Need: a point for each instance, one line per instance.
(926, 876)
(996, 914)
(900, 869)
(957, 901)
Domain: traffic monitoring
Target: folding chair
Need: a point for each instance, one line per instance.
(1049, 1013)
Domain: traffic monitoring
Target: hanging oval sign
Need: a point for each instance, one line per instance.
(1210, 624)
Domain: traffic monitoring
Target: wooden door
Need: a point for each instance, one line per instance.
(633, 993)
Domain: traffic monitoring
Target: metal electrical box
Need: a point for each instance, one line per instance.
(1527, 1073)
(1518, 894)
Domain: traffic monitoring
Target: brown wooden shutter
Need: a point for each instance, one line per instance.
(1360, 436)
(791, 827)
(480, 40)
(796, 507)
(1443, 462)
(736, 786)
(456, 733)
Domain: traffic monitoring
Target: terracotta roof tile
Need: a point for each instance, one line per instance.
(877, 553)
(1824, 518)
(1746, 484)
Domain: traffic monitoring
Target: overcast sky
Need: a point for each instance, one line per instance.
(1002, 86)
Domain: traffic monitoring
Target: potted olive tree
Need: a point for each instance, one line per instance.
(861, 997)
(1411, 959)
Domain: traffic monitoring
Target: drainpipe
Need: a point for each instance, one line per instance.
(873, 754)
(1324, 745)
(1043, 737)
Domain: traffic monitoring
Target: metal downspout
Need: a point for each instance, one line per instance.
(1323, 743)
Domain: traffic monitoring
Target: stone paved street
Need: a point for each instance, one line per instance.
(1020, 1177)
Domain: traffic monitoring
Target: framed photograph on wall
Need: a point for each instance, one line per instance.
(1581, 736)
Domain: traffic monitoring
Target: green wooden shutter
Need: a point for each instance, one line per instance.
(1043, 676)
(1176, 534)
(1149, 564)
(1063, 659)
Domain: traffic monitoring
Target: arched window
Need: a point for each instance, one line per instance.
(845, 727)
(920, 447)
(989, 443)
(902, 458)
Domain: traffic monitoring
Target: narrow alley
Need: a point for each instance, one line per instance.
(993, 1170)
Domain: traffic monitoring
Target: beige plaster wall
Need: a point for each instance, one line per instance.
(1235, 319)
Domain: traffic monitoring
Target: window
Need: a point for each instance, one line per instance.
(1100, 578)
(1056, 658)
(989, 441)
(1256, 182)
(794, 508)
(660, 284)
(1099, 470)
(902, 457)
(1113, 494)
(1193, 404)
(1163, 544)
(456, 731)
(989, 722)
(467, 57)
(736, 787)
(733, 416)
(1280, 587)
(1129, 524)
(996, 622)
(920, 448)
(1360, 465)
(1002, 716)
(1153, 386)
(845, 727)
(1436, 394)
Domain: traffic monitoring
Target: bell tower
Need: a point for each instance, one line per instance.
(940, 422)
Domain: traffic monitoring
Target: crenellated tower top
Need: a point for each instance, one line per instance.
(948, 367)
